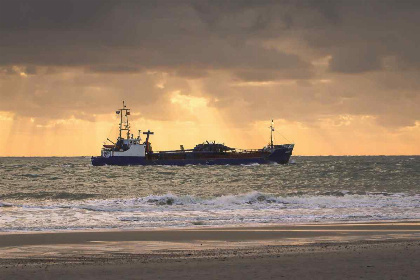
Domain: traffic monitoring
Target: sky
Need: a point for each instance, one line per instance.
(337, 77)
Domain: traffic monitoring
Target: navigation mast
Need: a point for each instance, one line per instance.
(124, 111)
(271, 134)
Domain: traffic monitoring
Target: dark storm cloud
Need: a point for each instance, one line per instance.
(371, 44)
(128, 35)
(194, 39)
(209, 34)
(355, 61)
(114, 69)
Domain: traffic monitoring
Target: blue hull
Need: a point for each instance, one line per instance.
(280, 156)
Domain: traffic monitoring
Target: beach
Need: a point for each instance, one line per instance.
(375, 250)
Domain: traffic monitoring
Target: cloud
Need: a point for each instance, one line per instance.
(114, 69)
(249, 59)
(72, 93)
(355, 61)
(120, 36)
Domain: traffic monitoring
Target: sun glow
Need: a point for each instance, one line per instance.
(190, 103)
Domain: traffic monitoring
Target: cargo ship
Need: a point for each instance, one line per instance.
(130, 150)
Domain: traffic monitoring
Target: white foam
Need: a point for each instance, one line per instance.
(342, 200)
(250, 208)
(250, 164)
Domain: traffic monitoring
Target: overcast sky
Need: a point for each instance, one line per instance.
(338, 77)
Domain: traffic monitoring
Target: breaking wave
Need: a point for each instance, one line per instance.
(171, 210)
(252, 200)
(331, 199)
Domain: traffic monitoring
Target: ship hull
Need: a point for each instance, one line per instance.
(280, 156)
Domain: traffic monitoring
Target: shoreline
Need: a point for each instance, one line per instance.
(312, 251)
(281, 234)
(75, 236)
(217, 227)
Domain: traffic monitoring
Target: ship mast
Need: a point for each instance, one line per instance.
(271, 135)
(124, 125)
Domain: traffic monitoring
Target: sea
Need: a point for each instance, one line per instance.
(68, 193)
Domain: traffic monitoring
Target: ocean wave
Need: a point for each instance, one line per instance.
(48, 195)
(4, 204)
(170, 210)
(253, 200)
(32, 176)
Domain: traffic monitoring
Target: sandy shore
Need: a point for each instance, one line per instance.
(319, 251)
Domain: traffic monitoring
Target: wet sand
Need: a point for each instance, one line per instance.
(318, 251)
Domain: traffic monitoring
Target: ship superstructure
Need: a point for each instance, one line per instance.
(130, 150)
